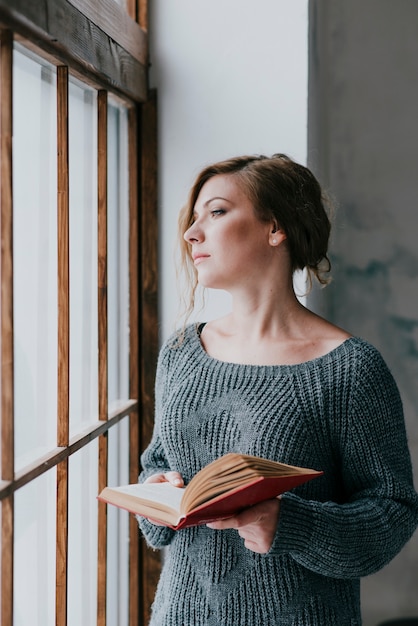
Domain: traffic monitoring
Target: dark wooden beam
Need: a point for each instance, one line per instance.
(151, 564)
(6, 324)
(62, 31)
(116, 22)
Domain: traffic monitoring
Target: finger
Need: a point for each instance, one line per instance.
(175, 478)
(265, 513)
(223, 524)
(155, 478)
(246, 517)
(256, 547)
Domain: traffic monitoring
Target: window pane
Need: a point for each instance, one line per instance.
(35, 256)
(118, 254)
(83, 256)
(82, 537)
(118, 529)
(118, 357)
(34, 552)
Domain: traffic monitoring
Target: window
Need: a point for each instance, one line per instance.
(78, 309)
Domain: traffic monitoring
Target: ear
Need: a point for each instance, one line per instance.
(276, 236)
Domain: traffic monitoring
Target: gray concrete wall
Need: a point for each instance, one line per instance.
(363, 145)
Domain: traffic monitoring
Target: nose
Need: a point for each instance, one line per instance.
(193, 234)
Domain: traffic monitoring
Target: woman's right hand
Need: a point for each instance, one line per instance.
(174, 478)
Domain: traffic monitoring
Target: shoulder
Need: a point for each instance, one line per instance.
(365, 356)
(372, 381)
(182, 337)
(181, 342)
(360, 357)
(356, 367)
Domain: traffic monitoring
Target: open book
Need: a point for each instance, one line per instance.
(221, 489)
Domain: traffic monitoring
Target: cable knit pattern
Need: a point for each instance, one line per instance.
(340, 413)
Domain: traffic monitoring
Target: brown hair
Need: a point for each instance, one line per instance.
(281, 191)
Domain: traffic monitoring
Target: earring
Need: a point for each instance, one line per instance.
(274, 241)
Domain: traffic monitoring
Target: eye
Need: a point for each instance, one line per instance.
(216, 212)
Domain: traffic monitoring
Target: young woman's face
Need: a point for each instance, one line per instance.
(229, 245)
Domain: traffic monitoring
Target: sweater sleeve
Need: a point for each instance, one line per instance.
(153, 459)
(379, 512)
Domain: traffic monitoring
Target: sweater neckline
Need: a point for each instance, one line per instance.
(195, 331)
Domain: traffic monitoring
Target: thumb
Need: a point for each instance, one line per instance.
(175, 478)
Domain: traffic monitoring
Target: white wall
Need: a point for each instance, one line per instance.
(231, 79)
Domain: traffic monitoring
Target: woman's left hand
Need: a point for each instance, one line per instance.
(256, 525)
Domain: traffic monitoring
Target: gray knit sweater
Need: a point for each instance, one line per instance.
(340, 413)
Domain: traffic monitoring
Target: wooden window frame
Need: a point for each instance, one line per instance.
(112, 60)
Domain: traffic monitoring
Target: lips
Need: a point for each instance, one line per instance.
(198, 258)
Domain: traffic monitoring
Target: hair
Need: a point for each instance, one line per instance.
(282, 192)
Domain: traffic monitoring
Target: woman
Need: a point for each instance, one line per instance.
(273, 379)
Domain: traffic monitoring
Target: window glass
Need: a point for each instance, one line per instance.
(34, 552)
(82, 536)
(118, 529)
(118, 254)
(83, 256)
(118, 356)
(34, 256)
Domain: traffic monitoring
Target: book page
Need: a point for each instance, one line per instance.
(163, 495)
(231, 471)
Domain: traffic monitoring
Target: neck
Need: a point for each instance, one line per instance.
(267, 315)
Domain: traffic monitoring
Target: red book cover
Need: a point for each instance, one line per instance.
(162, 502)
(231, 503)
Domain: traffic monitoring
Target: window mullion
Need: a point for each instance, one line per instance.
(63, 344)
(150, 559)
(102, 363)
(134, 387)
(142, 10)
(7, 382)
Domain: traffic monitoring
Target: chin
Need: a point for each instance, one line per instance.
(207, 284)
(210, 282)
